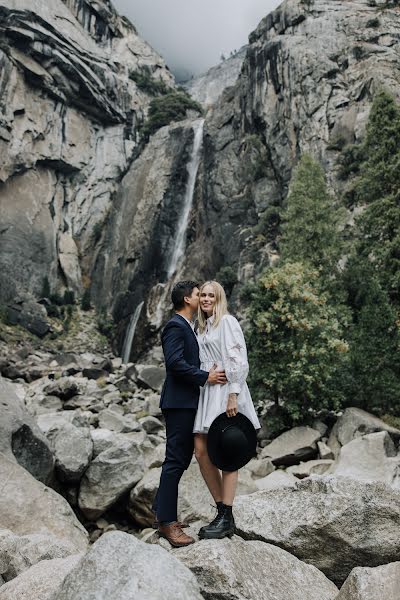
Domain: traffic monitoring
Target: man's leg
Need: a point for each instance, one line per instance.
(179, 451)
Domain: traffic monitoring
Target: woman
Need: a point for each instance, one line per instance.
(221, 342)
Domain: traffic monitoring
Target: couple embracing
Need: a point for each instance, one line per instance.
(204, 392)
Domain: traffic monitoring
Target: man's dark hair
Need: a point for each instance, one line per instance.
(180, 291)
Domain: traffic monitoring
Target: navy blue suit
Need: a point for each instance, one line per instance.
(179, 400)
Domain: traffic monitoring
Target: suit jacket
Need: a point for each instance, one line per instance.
(181, 387)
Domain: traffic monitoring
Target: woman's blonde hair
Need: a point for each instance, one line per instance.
(220, 307)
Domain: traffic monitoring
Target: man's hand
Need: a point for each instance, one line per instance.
(216, 377)
(232, 405)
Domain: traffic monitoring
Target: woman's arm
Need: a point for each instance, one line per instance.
(234, 354)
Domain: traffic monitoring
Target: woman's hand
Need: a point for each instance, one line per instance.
(232, 406)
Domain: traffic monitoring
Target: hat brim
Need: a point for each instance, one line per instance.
(234, 461)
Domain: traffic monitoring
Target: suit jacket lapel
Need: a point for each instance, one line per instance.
(187, 325)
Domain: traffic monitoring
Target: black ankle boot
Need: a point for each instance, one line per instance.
(220, 509)
(222, 526)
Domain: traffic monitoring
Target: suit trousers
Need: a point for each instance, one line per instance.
(178, 455)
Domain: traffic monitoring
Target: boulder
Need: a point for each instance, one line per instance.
(41, 582)
(150, 376)
(239, 570)
(151, 405)
(111, 474)
(260, 467)
(275, 480)
(311, 467)
(20, 552)
(20, 438)
(289, 448)
(27, 506)
(324, 451)
(151, 424)
(120, 566)
(94, 373)
(73, 448)
(194, 501)
(366, 583)
(31, 316)
(354, 423)
(64, 388)
(58, 419)
(110, 419)
(358, 522)
(369, 458)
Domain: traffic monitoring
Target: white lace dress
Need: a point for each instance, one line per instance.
(224, 345)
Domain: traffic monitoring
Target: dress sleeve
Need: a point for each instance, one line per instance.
(234, 354)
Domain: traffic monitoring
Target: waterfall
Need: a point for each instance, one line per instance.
(130, 333)
(193, 167)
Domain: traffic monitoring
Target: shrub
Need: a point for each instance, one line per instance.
(295, 342)
(226, 276)
(146, 82)
(85, 300)
(166, 109)
(69, 297)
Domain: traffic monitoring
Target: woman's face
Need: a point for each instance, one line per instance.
(207, 300)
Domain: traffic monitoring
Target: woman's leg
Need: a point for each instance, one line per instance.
(210, 473)
(229, 484)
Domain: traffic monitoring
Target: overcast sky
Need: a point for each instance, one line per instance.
(192, 34)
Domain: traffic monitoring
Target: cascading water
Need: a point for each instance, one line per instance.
(161, 290)
(158, 294)
(130, 333)
(193, 166)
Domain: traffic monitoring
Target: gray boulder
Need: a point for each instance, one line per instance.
(64, 388)
(275, 480)
(151, 424)
(41, 581)
(120, 566)
(366, 583)
(289, 448)
(358, 522)
(20, 438)
(239, 570)
(112, 473)
(20, 552)
(150, 376)
(73, 448)
(355, 423)
(115, 421)
(260, 467)
(31, 316)
(311, 467)
(27, 506)
(369, 458)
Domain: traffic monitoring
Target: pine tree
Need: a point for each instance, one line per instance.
(310, 229)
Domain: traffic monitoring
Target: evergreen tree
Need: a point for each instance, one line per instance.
(377, 185)
(373, 376)
(310, 228)
(295, 341)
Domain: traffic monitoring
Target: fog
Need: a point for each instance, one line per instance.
(192, 35)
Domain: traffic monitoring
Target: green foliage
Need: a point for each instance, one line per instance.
(269, 223)
(105, 325)
(227, 277)
(376, 185)
(69, 297)
(85, 300)
(146, 82)
(256, 160)
(295, 342)
(372, 378)
(311, 221)
(166, 109)
(46, 288)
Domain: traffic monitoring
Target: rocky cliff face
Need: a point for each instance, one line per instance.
(306, 85)
(69, 111)
(84, 205)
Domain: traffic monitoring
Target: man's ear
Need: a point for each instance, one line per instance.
(186, 299)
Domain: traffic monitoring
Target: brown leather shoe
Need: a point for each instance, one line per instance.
(174, 534)
(182, 524)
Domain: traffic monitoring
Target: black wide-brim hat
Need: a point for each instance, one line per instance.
(231, 442)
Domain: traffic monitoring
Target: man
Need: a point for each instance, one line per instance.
(179, 400)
